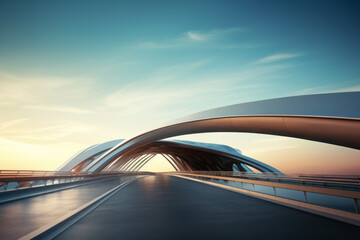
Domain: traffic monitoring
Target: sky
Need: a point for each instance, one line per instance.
(78, 73)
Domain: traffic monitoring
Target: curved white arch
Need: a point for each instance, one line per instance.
(93, 152)
(331, 118)
(87, 153)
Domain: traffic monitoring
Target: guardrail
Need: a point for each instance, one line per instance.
(17, 179)
(350, 182)
(339, 192)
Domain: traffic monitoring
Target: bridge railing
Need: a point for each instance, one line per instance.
(351, 182)
(338, 192)
(17, 179)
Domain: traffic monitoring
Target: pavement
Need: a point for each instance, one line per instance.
(18, 218)
(167, 207)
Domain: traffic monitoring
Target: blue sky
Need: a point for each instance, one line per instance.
(74, 73)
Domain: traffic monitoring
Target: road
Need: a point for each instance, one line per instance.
(21, 217)
(166, 207)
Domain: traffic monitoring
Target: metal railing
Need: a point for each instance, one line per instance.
(17, 179)
(350, 182)
(339, 192)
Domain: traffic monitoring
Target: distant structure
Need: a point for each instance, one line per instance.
(330, 118)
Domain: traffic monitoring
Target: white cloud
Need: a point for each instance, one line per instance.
(277, 57)
(209, 35)
(197, 36)
(188, 39)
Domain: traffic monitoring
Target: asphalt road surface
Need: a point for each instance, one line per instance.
(166, 207)
(21, 217)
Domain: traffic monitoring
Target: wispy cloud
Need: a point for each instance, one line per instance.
(10, 123)
(196, 36)
(132, 99)
(17, 89)
(66, 109)
(349, 89)
(210, 35)
(184, 85)
(57, 133)
(193, 38)
(11, 145)
(277, 57)
(271, 144)
(329, 88)
(169, 73)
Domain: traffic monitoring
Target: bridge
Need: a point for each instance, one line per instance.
(179, 205)
(216, 191)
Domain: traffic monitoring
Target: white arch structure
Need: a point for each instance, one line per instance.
(330, 118)
(182, 155)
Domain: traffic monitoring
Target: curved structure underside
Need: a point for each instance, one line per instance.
(182, 155)
(329, 118)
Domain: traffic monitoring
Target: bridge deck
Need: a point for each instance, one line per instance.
(20, 217)
(164, 207)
